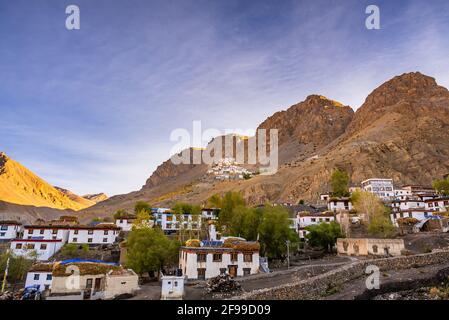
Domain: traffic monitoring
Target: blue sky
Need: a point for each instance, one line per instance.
(92, 110)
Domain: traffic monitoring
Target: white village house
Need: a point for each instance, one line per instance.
(239, 258)
(94, 235)
(383, 188)
(40, 249)
(125, 222)
(9, 230)
(306, 219)
(40, 275)
(42, 241)
(94, 281)
(336, 204)
(170, 222)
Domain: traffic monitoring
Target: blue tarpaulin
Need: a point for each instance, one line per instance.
(77, 260)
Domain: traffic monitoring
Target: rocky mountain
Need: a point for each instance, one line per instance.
(400, 132)
(96, 197)
(18, 185)
(76, 198)
(308, 126)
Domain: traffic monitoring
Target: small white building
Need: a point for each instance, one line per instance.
(383, 188)
(335, 204)
(440, 204)
(240, 259)
(170, 222)
(96, 235)
(125, 223)
(418, 214)
(408, 204)
(41, 249)
(172, 287)
(40, 275)
(305, 219)
(210, 213)
(9, 230)
(93, 281)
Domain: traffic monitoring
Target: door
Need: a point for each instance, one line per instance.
(232, 270)
(97, 285)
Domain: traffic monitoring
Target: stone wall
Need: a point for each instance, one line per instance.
(322, 285)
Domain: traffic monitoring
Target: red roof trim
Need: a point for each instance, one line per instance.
(36, 240)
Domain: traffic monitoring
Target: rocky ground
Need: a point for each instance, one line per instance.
(407, 284)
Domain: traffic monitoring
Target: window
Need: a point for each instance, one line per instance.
(31, 231)
(2, 234)
(19, 246)
(49, 277)
(36, 276)
(248, 257)
(246, 271)
(76, 231)
(4, 228)
(217, 257)
(176, 283)
(105, 239)
(201, 273)
(201, 257)
(106, 232)
(234, 256)
(30, 246)
(89, 283)
(313, 219)
(75, 240)
(223, 271)
(42, 231)
(43, 246)
(90, 232)
(375, 249)
(89, 240)
(55, 231)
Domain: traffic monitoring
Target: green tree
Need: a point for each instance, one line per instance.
(375, 212)
(340, 183)
(142, 205)
(18, 267)
(148, 249)
(324, 235)
(119, 214)
(381, 226)
(143, 220)
(215, 201)
(228, 203)
(274, 230)
(442, 186)
(185, 208)
(69, 250)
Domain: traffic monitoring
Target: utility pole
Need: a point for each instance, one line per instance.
(288, 253)
(6, 272)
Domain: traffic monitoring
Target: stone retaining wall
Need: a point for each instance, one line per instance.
(319, 286)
